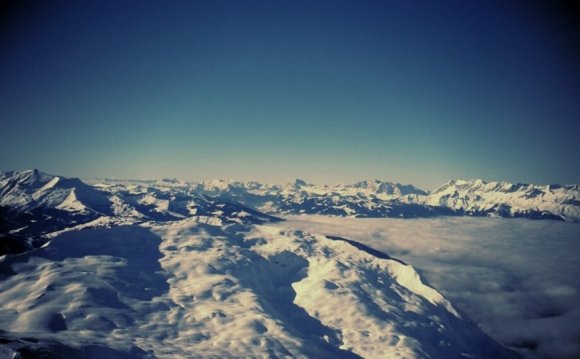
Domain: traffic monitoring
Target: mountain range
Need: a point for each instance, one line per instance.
(33, 203)
(168, 269)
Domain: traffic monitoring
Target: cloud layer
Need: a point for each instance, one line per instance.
(518, 279)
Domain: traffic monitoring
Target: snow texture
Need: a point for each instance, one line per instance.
(188, 289)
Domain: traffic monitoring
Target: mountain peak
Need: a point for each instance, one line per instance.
(171, 182)
(28, 178)
(299, 182)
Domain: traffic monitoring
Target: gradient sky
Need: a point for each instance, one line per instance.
(410, 91)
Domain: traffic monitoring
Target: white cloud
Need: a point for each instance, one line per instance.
(518, 279)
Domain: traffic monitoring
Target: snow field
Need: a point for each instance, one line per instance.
(188, 289)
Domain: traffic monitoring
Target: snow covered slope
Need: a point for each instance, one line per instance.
(33, 189)
(34, 202)
(185, 289)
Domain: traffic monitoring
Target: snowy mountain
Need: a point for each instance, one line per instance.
(371, 198)
(32, 202)
(385, 199)
(186, 289)
(374, 198)
(36, 202)
(503, 199)
(167, 269)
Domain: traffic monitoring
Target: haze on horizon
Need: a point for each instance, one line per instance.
(327, 91)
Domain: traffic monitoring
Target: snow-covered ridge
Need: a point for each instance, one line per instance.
(185, 289)
(41, 202)
(32, 189)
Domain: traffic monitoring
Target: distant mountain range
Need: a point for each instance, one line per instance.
(374, 198)
(33, 202)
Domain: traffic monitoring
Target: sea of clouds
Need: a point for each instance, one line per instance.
(518, 279)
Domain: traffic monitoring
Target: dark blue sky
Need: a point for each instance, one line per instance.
(411, 91)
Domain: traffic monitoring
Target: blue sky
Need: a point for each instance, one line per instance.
(329, 91)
